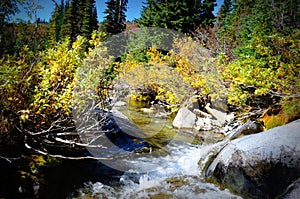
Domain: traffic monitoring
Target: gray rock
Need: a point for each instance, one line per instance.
(259, 165)
(248, 128)
(184, 119)
(219, 115)
(120, 103)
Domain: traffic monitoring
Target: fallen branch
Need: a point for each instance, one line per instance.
(65, 157)
(9, 159)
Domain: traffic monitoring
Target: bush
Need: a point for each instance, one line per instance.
(57, 67)
(171, 77)
(266, 67)
(18, 76)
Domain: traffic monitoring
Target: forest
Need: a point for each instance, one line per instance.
(251, 50)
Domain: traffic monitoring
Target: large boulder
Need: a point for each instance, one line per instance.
(260, 165)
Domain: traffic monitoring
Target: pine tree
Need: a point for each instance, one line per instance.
(225, 9)
(89, 22)
(80, 19)
(7, 8)
(115, 18)
(57, 21)
(207, 16)
(182, 16)
(69, 27)
(121, 8)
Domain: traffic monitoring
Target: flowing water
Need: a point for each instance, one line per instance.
(171, 170)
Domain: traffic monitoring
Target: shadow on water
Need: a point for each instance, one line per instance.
(63, 179)
(69, 178)
(56, 181)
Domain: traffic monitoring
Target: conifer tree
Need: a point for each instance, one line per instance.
(225, 9)
(207, 16)
(80, 19)
(71, 27)
(115, 18)
(89, 22)
(57, 21)
(7, 8)
(182, 16)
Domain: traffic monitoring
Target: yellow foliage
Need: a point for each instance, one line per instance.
(268, 64)
(171, 77)
(159, 80)
(271, 121)
(57, 68)
(289, 110)
(155, 56)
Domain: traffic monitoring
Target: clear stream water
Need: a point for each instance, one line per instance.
(170, 171)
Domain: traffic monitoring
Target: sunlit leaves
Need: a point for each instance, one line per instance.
(57, 69)
(170, 77)
(267, 64)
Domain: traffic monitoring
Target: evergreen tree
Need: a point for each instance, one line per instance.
(71, 26)
(225, 9)
(7, 8)
(256, 18)
(80, 19)
(182, 16)
(89, 22)
(286, 14)
(57, 21)
(207, 16)
(115, 18)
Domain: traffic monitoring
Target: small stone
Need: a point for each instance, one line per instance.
(184, 119)
(204, 124)
(120, 103)
(219, 115)
(147, 110)
(199, 124)
(220, 105)
(229, 117)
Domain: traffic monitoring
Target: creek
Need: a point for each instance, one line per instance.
(171, 170)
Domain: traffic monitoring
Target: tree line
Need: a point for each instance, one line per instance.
(73, 18)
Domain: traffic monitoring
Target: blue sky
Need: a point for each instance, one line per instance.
(133, 9)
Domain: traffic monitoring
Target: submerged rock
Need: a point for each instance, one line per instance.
(120, 103)
(260, 165)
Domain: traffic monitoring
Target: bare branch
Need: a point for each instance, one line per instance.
(66, 157)
(9, 159)
(282, 95)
